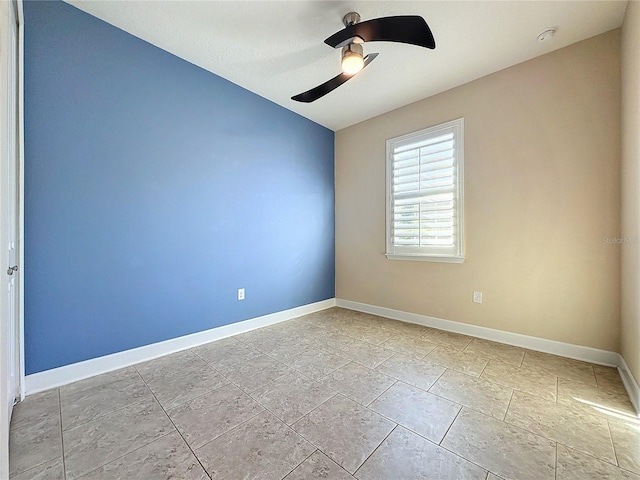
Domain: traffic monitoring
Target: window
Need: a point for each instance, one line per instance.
(424, 194)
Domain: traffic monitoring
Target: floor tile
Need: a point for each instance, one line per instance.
(295, 328)
(406, 455)
(93, 382)
(225, 354)
(34, 444)
(333, 341)
(573, 465)
(608, 378)
(594, 400)
(508, 451)
(359, 383)
(455, 359)
(497, 351)
(493, 476)
(319, 466)
(258, 372)
(165, 458)
(626, 442)
(406, 345)
(419, 373)
(329, 318)
(263, 448)
(365, 354)
(173, 389)
(168, 365)
(317, 363)
(107, 438)
(81, 406)
(216, 412)
(486, 397)
(281, 348)
(368, 333)
(292, 396)
(561, 366)
(36, 408)
(261, 334)
(563, 424)
(528, 380)
(417, 410)
(406, 328)
(442, 337)
(345, 431)
(51, 470)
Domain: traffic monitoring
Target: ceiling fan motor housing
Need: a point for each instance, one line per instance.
(352, 49)
(351, 18)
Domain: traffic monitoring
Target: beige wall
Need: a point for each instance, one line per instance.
(542, 176)
(631, 188)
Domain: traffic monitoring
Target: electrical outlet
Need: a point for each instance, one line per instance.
(477, 297)
(241, 294)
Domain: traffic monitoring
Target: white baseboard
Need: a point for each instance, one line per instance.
(629, 383)
(578, 352)
(56, 377)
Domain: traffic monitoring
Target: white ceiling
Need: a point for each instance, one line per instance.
(276, 48)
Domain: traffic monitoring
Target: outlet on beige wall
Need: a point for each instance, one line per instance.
(542, 191)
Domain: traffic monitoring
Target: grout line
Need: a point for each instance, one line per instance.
(64, 463)
(128, 453)
(307, 458)
(595, 377)
(438, 445)
(175, 428)
(555, 470)
(484, 368)
(508, 406)
(107, 414)
(434, 382)
(523, 356)
(597, 382)
(375, 449)
(228, 431)
(450, 425)
(582, 452)
(613, 445)
(385, 391)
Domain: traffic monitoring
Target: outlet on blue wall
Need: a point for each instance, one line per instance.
(154, 190)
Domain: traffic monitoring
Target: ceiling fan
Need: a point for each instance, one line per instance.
(410, 29)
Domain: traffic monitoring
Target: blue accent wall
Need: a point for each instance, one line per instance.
(154, 190)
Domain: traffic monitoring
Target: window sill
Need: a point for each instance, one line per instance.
(425, 258)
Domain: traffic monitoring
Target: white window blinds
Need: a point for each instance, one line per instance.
(424, 194)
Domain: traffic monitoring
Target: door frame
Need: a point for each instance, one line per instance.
(12, 12)
(20, 192)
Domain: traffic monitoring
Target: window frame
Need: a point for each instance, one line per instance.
(427, 253)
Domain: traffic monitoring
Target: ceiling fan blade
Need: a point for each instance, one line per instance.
(410, 29)
(321, 90)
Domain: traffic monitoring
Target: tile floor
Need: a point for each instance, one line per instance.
(335, 395)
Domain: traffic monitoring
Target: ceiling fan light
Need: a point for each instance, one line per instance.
(352, 63)
(352, 60)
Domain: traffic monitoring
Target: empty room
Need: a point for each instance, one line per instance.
(302, 240)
